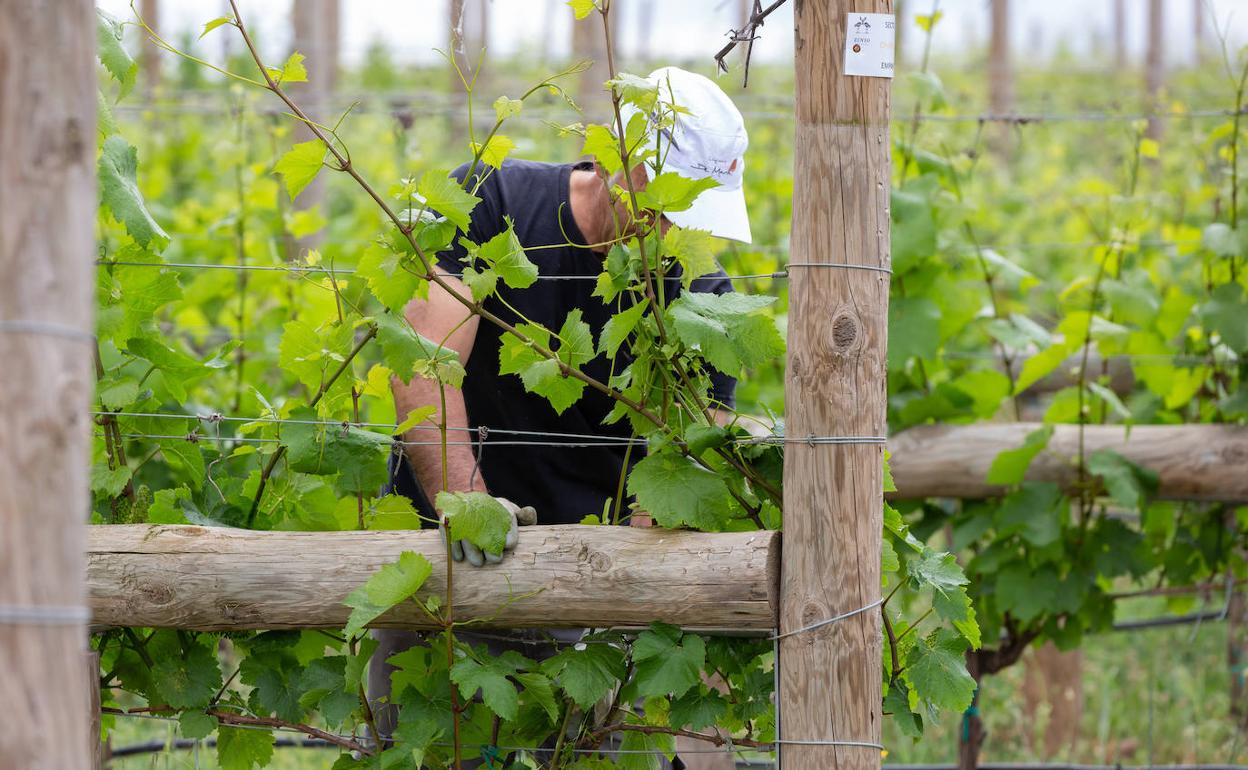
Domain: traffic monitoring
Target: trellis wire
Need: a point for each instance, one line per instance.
(43, 615)
(45, 328)
(729, 749)
(196, 438)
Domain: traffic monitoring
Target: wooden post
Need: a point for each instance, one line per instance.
(588, 42)
(316, 28)
(1155, 65)
(1000, 71)
(1120, 35)
(151, 55)
(561, 576)
(91, 669)
(47, 248)
(829, 679)
(1198, 31)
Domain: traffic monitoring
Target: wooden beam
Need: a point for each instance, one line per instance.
(48, 85)
(1194, 462)
(829, 683)
(210, 578)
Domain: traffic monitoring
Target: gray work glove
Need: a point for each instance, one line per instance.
(461, 549)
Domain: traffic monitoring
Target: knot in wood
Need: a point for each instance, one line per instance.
(844, 332)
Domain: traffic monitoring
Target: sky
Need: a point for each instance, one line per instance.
(692, 29)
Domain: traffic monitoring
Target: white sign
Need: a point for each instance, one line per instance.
(869, 42)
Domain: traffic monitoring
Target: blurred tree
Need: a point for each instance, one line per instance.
(1120, 34)
(316, 33)
(1155, 65)
(1000, 71)
(589, 43)
(150, 55)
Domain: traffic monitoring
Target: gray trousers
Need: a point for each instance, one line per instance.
(532, 644)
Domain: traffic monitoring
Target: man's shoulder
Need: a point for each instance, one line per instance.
(512, 169)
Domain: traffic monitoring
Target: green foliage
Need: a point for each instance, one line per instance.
(392, 584)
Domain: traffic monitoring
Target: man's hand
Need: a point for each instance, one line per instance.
(462, 549)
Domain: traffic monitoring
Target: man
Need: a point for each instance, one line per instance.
(569, 212)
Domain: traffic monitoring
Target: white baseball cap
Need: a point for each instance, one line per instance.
(707, 140)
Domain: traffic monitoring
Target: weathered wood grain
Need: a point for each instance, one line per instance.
(211, 578)
(829, 685)
(47, 249)
(1193, 462)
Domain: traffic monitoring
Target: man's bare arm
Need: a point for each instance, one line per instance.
(443, 319)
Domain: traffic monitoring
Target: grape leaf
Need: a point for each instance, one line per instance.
(497, 691)
(495, 150)
(300, 165)
(586, 675)
(1128, 484)
(445, 196)
(393, 285)
(239, 749)
(1009, 467)
(670, 191)
(119, 192)
(476, 517)
(695, 710)
(693, 249)
(581, 8)
(390, 585)
(617, 328)
(728, 329)
(937, 669)
(113, 55)
(668, 661)
(677, 492)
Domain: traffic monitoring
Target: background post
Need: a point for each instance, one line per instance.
(835, 386)
(47, 249)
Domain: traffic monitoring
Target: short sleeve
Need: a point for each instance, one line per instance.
(455, 259)
(723, 386)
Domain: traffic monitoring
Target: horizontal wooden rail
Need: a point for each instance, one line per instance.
(209, 578)
(1193, 462)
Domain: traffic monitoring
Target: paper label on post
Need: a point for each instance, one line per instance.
(869, 42)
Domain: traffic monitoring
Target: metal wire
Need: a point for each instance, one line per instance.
(829, 621)
(43, 615)
(841, 265)
(45, 328)
(196, 438)
(351, 271)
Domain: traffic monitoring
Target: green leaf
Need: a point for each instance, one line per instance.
(113, 55)
(186, 457)
(445, 196)
(186, 674)
(505, 107)
(293, 70)
(696, 710)
(300, 165)
(546, 379)
(119, 192)
(588, 674)
(693, 249)
(414, 418)
(1130, 485)
(392, 284)
(677, 492)
(617, 328)
(217, 22)
(670, 191)
(576, 341)
(1010, 467)
(1039, 366)
(110, 482)
(729, 330)
(914, 229)
(196, 725)
(581, 8)
(1034, 511)
(497, 691)
(937, 669)
(897, 703)
(406, 353)
(476, 517)
(602, 146)
(955, 607)
(1227, 314)
(635, 90)
(390, 585)
(538, 689)
(1026, 593)
(495, 151)
(356, 456)
(239, 749)
(669, 662)
(913, 330)
(505, 255)
(937, 570)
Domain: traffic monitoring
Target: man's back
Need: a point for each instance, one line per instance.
(567, 479)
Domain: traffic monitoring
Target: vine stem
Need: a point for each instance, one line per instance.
(320, 393)
(235, 719)
(594, 738)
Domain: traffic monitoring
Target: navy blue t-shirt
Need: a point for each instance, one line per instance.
(563, 483)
